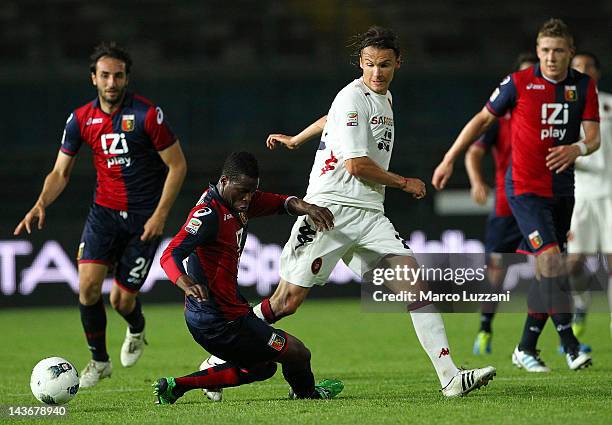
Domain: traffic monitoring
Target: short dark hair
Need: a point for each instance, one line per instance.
(240, 163)
(525, 57)
(590, 55)
(556, 28)
(375, 36)
(112, 50)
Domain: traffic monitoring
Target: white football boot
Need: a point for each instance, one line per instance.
(467, 380)
(214, 394)
(531, 362)
(94, 371)
(132, 348)
(578, 360)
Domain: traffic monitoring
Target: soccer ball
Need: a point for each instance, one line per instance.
(54, 381)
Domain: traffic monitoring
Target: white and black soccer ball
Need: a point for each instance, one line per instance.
(54, 380)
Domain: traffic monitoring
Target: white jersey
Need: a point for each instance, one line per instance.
(593, 173)
(359, 123)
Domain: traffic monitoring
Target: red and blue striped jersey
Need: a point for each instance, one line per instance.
(544, 114)
(213, 238)
(125, 145)
(497, 139)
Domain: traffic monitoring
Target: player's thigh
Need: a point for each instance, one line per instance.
(535, 218)
(136, 257)
(246, 341)
(309, 256)
(604, 221)
(99, 236)
(379, 240)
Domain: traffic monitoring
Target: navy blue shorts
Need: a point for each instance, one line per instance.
(502, 234)
(246, 341)
(112, 238)
(544, 222)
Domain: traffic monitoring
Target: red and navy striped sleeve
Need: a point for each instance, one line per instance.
(489, 139)
(158, 129)
(503, 97)
(200, 228)
(267, 203)
(591, 107)
(71, 139)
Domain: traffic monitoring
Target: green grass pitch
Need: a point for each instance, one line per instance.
(387, 376)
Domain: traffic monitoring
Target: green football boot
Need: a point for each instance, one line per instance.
(325, 389)
(162, 388)
(482, 343)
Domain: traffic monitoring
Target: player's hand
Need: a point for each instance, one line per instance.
(275, 140)
(562, 157)
(153, 228)
(416, 187)
(480, 193)
(37, 213)
(322, 217)
(192, 289)
(441, 175)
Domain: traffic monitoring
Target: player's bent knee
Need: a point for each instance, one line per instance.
(260, 372)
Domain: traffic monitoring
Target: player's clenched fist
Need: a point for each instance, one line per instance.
(414, 186)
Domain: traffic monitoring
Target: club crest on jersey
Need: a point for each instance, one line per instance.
(127, 122)
(535, 239)
(193, 226)
(315, 267)
(351, 119)
(571, 94)
(277, 341)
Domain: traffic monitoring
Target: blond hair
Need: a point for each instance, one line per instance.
(556, 28)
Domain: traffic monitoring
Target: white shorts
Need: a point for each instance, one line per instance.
(591, 228)
(360, 238)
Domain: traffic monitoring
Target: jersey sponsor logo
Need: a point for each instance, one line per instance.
(554, 114)
(277, 341)
(535, 239)
(193, 226)
(352, 119)
(306, 234)
(315, 267)
(494, 94)
(571, 94)
(382, 120)
(532, 86)
(115, 144)
(128, 122)
(385, 140)
(330, 164)
(444, 352)
(202, 212)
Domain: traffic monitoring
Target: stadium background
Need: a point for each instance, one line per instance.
(229, 73)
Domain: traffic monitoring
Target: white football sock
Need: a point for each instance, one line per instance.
(430, 330)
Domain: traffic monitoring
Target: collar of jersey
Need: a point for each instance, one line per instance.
(538, 73)
(219, 198)
(128, 100)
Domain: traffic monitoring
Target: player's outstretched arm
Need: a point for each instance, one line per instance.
(473, 164)
(54, 185)
(322, 217)
(562, 157)
(294, 142)
(475, 128)
(364, 168)
(177, 168)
